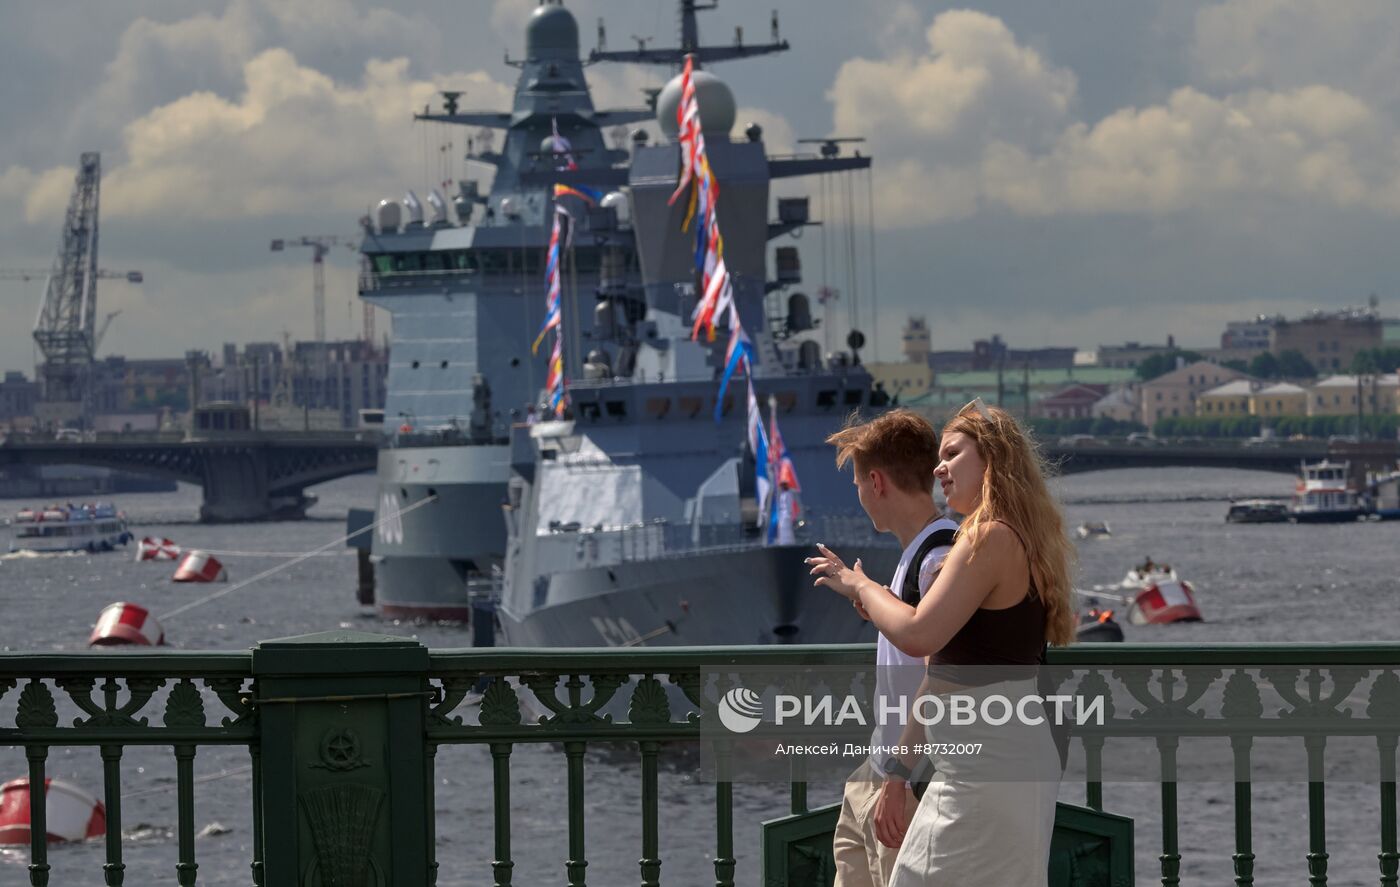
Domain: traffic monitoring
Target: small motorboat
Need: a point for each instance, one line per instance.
(1097, 625)
(1257, 511)
(1161, 596)
(1093, 529)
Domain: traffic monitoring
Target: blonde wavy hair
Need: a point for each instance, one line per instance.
(1014, 492)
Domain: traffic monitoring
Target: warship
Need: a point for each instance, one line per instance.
(634, 516)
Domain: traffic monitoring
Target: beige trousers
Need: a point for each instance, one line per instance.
(861, 860)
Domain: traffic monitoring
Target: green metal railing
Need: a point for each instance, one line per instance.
(343, 730)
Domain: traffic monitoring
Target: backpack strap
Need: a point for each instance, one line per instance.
(909, 591)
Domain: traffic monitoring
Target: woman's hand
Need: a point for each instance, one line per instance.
(832, 572)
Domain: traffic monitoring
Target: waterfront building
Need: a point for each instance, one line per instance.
(1341, 395)
(1230, 400)
(1122, 403)
(916, 341)
(1017, 390)
(307, 384)
(904, 380)
(1130, 354)
(1174, 394)
(1071, 402)
(1279, 399)
(989, 354)
(912, 377)
(18, 395)
(1329, 340)
(140, 385)
(1249, 336)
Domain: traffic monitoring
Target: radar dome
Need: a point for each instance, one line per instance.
(552, 33)
(717, 109)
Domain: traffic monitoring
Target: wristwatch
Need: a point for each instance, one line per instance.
(895, 767)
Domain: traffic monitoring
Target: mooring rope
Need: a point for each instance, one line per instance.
(222, 553)
(198, 780)
(197, 602)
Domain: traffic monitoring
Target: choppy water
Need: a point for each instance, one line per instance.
(1254, 583)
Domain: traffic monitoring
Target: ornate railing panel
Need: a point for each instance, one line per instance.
(327, 719)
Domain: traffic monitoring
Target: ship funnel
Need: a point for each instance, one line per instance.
(414, 207)
(439, 205)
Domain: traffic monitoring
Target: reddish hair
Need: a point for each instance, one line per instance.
(901, 444)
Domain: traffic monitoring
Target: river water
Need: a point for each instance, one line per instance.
(1261, 583)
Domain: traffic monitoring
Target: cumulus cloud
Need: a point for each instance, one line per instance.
(974, 83)
(157, 62)
(1353, 45)
(292, 140)
(981, 122)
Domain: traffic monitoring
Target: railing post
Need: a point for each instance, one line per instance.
(343, 783)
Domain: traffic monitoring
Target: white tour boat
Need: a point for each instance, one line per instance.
(1326, 493)
(90, 527)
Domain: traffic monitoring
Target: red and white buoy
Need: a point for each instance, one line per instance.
(126, 623)
(71, 814)
(153, 549)
(198, 566)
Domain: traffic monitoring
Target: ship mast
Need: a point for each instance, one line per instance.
(674, 56)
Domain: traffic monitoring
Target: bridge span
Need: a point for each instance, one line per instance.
(1284, 456)
(245, 475)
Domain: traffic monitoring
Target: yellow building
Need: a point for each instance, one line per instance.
(1229, 400)
(1174, 394)
(1281, 399)
(1339, 395)
(904, 379)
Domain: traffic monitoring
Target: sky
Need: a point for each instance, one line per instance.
(1071, 173)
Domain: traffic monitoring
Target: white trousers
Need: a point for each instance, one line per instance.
(987, 818)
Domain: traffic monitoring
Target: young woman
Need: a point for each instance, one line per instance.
(1002, 595)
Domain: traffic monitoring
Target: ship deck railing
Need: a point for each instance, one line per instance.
(342, 731)
(661, 539)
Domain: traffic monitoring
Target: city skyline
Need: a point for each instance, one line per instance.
(1077, 176)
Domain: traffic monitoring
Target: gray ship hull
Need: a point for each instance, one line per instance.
(425, 559)
(757, 595)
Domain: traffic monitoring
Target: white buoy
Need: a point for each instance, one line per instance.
(199, 566)
(71, 813)
(126, 623)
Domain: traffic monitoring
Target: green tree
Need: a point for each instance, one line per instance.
(1237, 365)
(1160, 364)
(1264, 366)
(1293, 365)
(1365, 363)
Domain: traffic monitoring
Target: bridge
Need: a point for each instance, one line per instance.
(1284, 456)
(245, 475)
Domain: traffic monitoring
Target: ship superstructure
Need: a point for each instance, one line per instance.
(633, 518)
(463, 290)
(636, 519)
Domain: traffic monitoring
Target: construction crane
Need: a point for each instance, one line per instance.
(66, 327)
(322, 244)
(37, 274)
(106, 322)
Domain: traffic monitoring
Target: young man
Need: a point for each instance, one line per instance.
(893, 458)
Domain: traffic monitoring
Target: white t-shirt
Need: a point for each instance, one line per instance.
(897, 673)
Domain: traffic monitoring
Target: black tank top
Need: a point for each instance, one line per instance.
(1010, 636)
